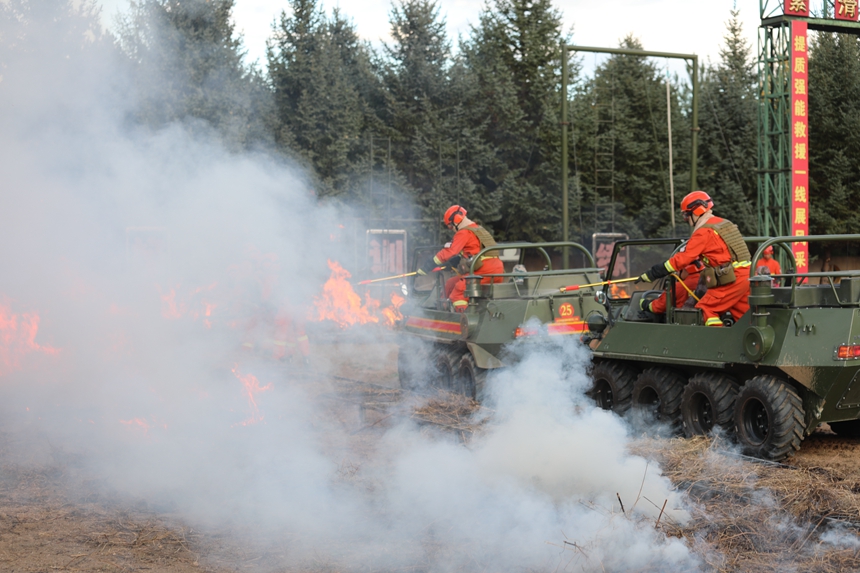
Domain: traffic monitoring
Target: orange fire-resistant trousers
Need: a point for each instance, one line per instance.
(490, 267)
(681, 294)
(732, 297)
(289, 337)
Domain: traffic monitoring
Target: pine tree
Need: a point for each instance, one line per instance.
(292, 52)
(187, 64)
(620, 124)
(53, 47)
(417, 102)
(322, 79)
(728, 143)
(514, 55)
(834, 133)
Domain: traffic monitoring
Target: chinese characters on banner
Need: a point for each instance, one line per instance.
(386, 252)
(798, 7)
(846, 10)
(603, 257)
(799, 101)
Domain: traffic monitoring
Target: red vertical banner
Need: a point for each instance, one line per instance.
(846, 10)
(797, 7)
(799, 90)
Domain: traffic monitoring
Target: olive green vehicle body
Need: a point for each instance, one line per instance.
(790, 332)
(496, 311)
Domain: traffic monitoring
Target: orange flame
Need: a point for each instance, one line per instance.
(392, 313)
(169, 307)
(252, 387)
(137, 422)
(173, 309)
(340, 303)
(18, 338)
(616, 291)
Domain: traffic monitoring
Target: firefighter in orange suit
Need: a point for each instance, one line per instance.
(290, 339)
(468, 241)
(690, 276)
(720, 246)
(768, 261)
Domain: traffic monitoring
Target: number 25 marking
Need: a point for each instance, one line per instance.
(565, 310)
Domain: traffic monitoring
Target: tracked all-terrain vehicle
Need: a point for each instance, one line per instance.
(790, 363)
(455, 350)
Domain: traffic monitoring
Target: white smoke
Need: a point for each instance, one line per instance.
(142, 392)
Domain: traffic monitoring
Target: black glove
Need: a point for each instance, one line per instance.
(427, 267)
(658, 271)
(453, 261)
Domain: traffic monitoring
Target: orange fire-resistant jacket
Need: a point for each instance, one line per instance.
(465, 242)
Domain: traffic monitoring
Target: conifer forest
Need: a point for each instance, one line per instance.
(432, 120)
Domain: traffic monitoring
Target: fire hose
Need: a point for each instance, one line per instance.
(577, 287)
(367, 282)
(683, 284)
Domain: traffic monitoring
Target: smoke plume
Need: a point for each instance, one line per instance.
(134, 262)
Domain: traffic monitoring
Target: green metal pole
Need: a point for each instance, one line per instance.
(694, 148)
(565, 224)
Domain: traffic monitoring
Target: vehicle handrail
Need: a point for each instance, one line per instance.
(782, 243)
(840, 274)
(540, 246)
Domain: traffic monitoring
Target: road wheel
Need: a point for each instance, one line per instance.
(657, 395)
(846, 429)
(612, 386)
(708, 402)
(769, 418)
(471, 377)
(446, 369)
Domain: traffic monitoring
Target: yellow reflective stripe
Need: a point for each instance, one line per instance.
(460, 303)
(484, 258)
(668, 265)
(436, 260)
(713, 322)
(248, 344)
(302, 338)
(741, 264)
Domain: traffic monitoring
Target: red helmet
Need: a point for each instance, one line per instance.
(696, 203)
(454, 215)
(768, 250)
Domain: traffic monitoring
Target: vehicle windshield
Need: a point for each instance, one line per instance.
(632, 260)
(423, 284)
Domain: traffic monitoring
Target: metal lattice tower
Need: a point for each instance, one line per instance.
(773, 126)
(774, 112)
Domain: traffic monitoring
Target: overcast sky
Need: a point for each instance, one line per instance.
(684, 26)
